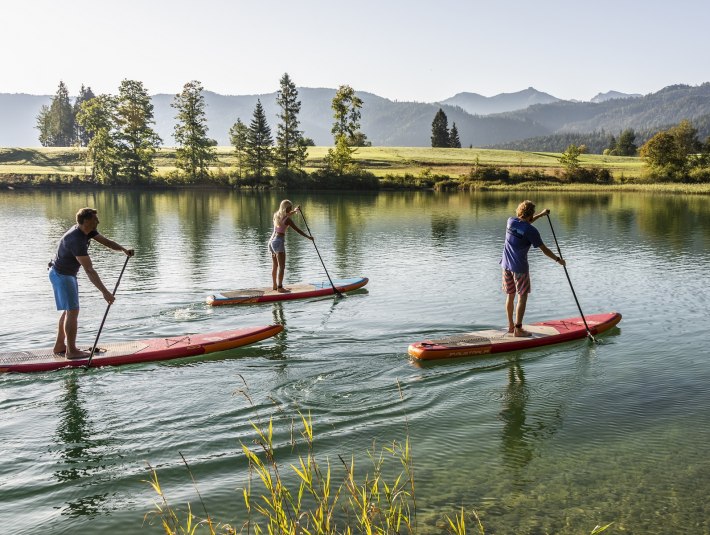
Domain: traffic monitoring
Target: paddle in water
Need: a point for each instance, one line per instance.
(319, 256)
(559, 253)
(93, 348)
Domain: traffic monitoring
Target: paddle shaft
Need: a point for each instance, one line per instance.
(319, 256)
(96, 341)
(559, 253)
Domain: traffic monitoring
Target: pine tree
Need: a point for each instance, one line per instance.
(290, 151)
(43, 125)
(238, 138)
(454, 141)
(259, 141)
(626, 146)
(440, 130)
(56, 122)
(81, 135)
(195, 150)
(137, 141)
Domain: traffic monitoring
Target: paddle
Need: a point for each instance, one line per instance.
(319, 256)
(559, 253)
(93, 348)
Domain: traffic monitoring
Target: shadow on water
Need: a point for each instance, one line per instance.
(78, 450)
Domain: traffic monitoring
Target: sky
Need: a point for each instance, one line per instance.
(406, 50)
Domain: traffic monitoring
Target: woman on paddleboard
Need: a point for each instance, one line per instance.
(277, 245)
(520, 235)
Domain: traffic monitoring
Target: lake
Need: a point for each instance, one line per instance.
(552, 440)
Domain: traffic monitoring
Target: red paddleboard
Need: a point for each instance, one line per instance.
(294, 291)
(153, 349)
(500, 341)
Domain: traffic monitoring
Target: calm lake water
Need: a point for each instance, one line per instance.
(555, 440)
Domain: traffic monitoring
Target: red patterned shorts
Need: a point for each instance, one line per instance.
(516, 282)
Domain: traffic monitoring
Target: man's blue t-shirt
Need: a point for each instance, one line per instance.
(520, 235)
(74, 243)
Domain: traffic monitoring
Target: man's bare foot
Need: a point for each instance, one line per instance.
(59, 350)
(78, 354)
(521, 333)
(282, 290)
(511, 329)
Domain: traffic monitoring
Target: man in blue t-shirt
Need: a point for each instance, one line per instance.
(520, 235)
(72, 254)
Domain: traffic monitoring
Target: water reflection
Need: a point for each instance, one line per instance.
(79, 450)
(444, 227)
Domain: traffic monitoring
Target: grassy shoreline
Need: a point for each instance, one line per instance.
(393, 168)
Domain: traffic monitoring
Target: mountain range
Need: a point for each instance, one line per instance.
(481, 121)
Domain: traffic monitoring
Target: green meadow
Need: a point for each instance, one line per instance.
(380, 161)
(396, 165)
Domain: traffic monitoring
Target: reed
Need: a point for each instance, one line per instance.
(309, 496)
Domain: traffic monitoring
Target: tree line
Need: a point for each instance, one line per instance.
(121, 142)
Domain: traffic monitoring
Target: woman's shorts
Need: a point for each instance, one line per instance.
(66, 290)
(277, 245)
(516, 282)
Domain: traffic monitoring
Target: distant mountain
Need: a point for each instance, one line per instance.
(18, 118)
(609, 95)
(390, 123)
(476, 104)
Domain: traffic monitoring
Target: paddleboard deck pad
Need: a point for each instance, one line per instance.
(139, 351)
(500, 341)
(295, 291)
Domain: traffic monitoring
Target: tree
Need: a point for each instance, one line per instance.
(339, 159)
(570, 158)
(238, 138)
(43, 125)
(454, 141)
(56, 122)
(137, 141)
(672, 153)
(346, 112)
(195, 150)
(626, 146)
(81, 136)
(259, 141)
(290, 152)
(98, 117)
(440, 130)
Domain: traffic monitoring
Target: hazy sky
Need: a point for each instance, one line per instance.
(399, 49)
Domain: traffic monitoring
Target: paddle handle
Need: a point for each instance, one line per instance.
(318, 253)
(101, 327)
(574, 294)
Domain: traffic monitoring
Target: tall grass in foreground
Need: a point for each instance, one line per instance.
(325, 500)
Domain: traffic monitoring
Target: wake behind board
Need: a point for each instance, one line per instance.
(500, 341)
(295, 291)
(140, 350)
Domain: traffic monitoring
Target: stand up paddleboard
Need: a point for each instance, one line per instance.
(154, 349)
(295, 291)
(500, 341)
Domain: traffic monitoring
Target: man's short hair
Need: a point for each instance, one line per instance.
(525, 209)
(84, 214)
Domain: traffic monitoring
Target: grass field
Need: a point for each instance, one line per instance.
(381, 161)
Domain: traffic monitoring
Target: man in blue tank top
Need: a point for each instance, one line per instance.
(520, 235)
(72, 254)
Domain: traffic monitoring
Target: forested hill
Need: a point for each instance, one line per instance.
(392, 123)
(590, 123)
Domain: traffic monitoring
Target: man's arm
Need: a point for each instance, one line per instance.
(88, 266)
(545, 212)
(103, 240)
(552, 255)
